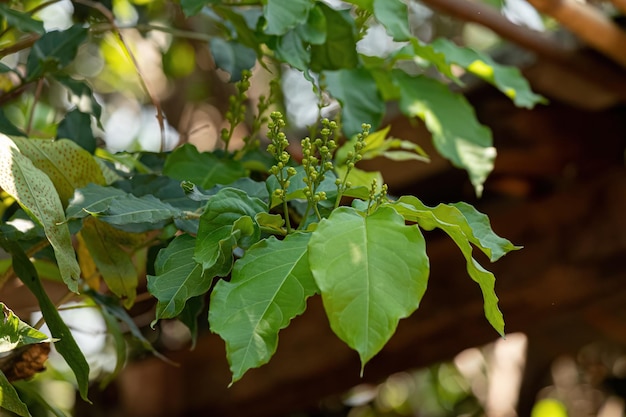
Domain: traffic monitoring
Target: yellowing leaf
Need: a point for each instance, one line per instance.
(37, 195)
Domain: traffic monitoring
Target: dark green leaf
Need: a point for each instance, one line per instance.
(22, 21)
(192, 7)
(178, 278)
(339, 50)
(284, 15)
(457, 134)
(81, 93)
(371, 271)
(76, 126)
(507, 79)
(232, 57)
(66, 344)
(203, 169)
(9, 400)
(7, 127)
(314, 30)
(190, 315)
(219, 234)
(394, 16)
(54, 51)
(137, 214)
(358, 94)
(268, 288)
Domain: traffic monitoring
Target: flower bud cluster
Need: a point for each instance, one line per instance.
(317, 158)
(236, 112)
(277, 148)
(353, 157)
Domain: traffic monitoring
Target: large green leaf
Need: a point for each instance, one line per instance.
(38, 196)
(113, 262)
(92, 199)
(457, 134)
(14, 333)
(291, 49)
(178, 277)
(339, 50)
(193, 7)
(54, 51)
(358, 94)
(222, 227)
(507, 79)
(203, 169)
(464, 228)
(66, 345)
(67, 164)
(269, 287)
(9, 400)
(371, 271)
(283, 15)
(76, 126)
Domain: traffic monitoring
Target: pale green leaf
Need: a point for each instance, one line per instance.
(457, 134)
(283, 15)
(9, 400)
(68, 165)
(231, 56)
(394, 16)
(137, 214)
(217, 235)
(360, 100)
(37, 195)
(92, 199)
(425, 55)
(14, 333)
(113, 262)
(268, 288)
(507, 79)
(449, 219)
(371, 271)
(178, 277)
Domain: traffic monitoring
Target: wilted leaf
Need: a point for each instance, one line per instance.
(371, 271)
(269, 287)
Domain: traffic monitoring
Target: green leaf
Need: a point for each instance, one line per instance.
(31, 393)
(219, 234)
(7, 127)
(113, 262)
(67, 164)
(81, 94)
(54, 51)
(424, 56)
(339, 50)
(358, 94)
(9, 400)
(507, 79)
(92, 199)
(284, 15)
(394, 16)
(452, 221)
(66, 345)
(481, 234)
(37, 195)
(76, 126)
(268, 288)
(14, 333)
(190, 315)
(115, 331)
(315, 29)
(193, 7)
(178, 278)
(20, 20)
(290, 48)
(371, 271)
(231, 56)
(137, 214)
(203, 169)
(457, 134)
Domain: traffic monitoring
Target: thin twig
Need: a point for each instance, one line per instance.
(155, 102)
